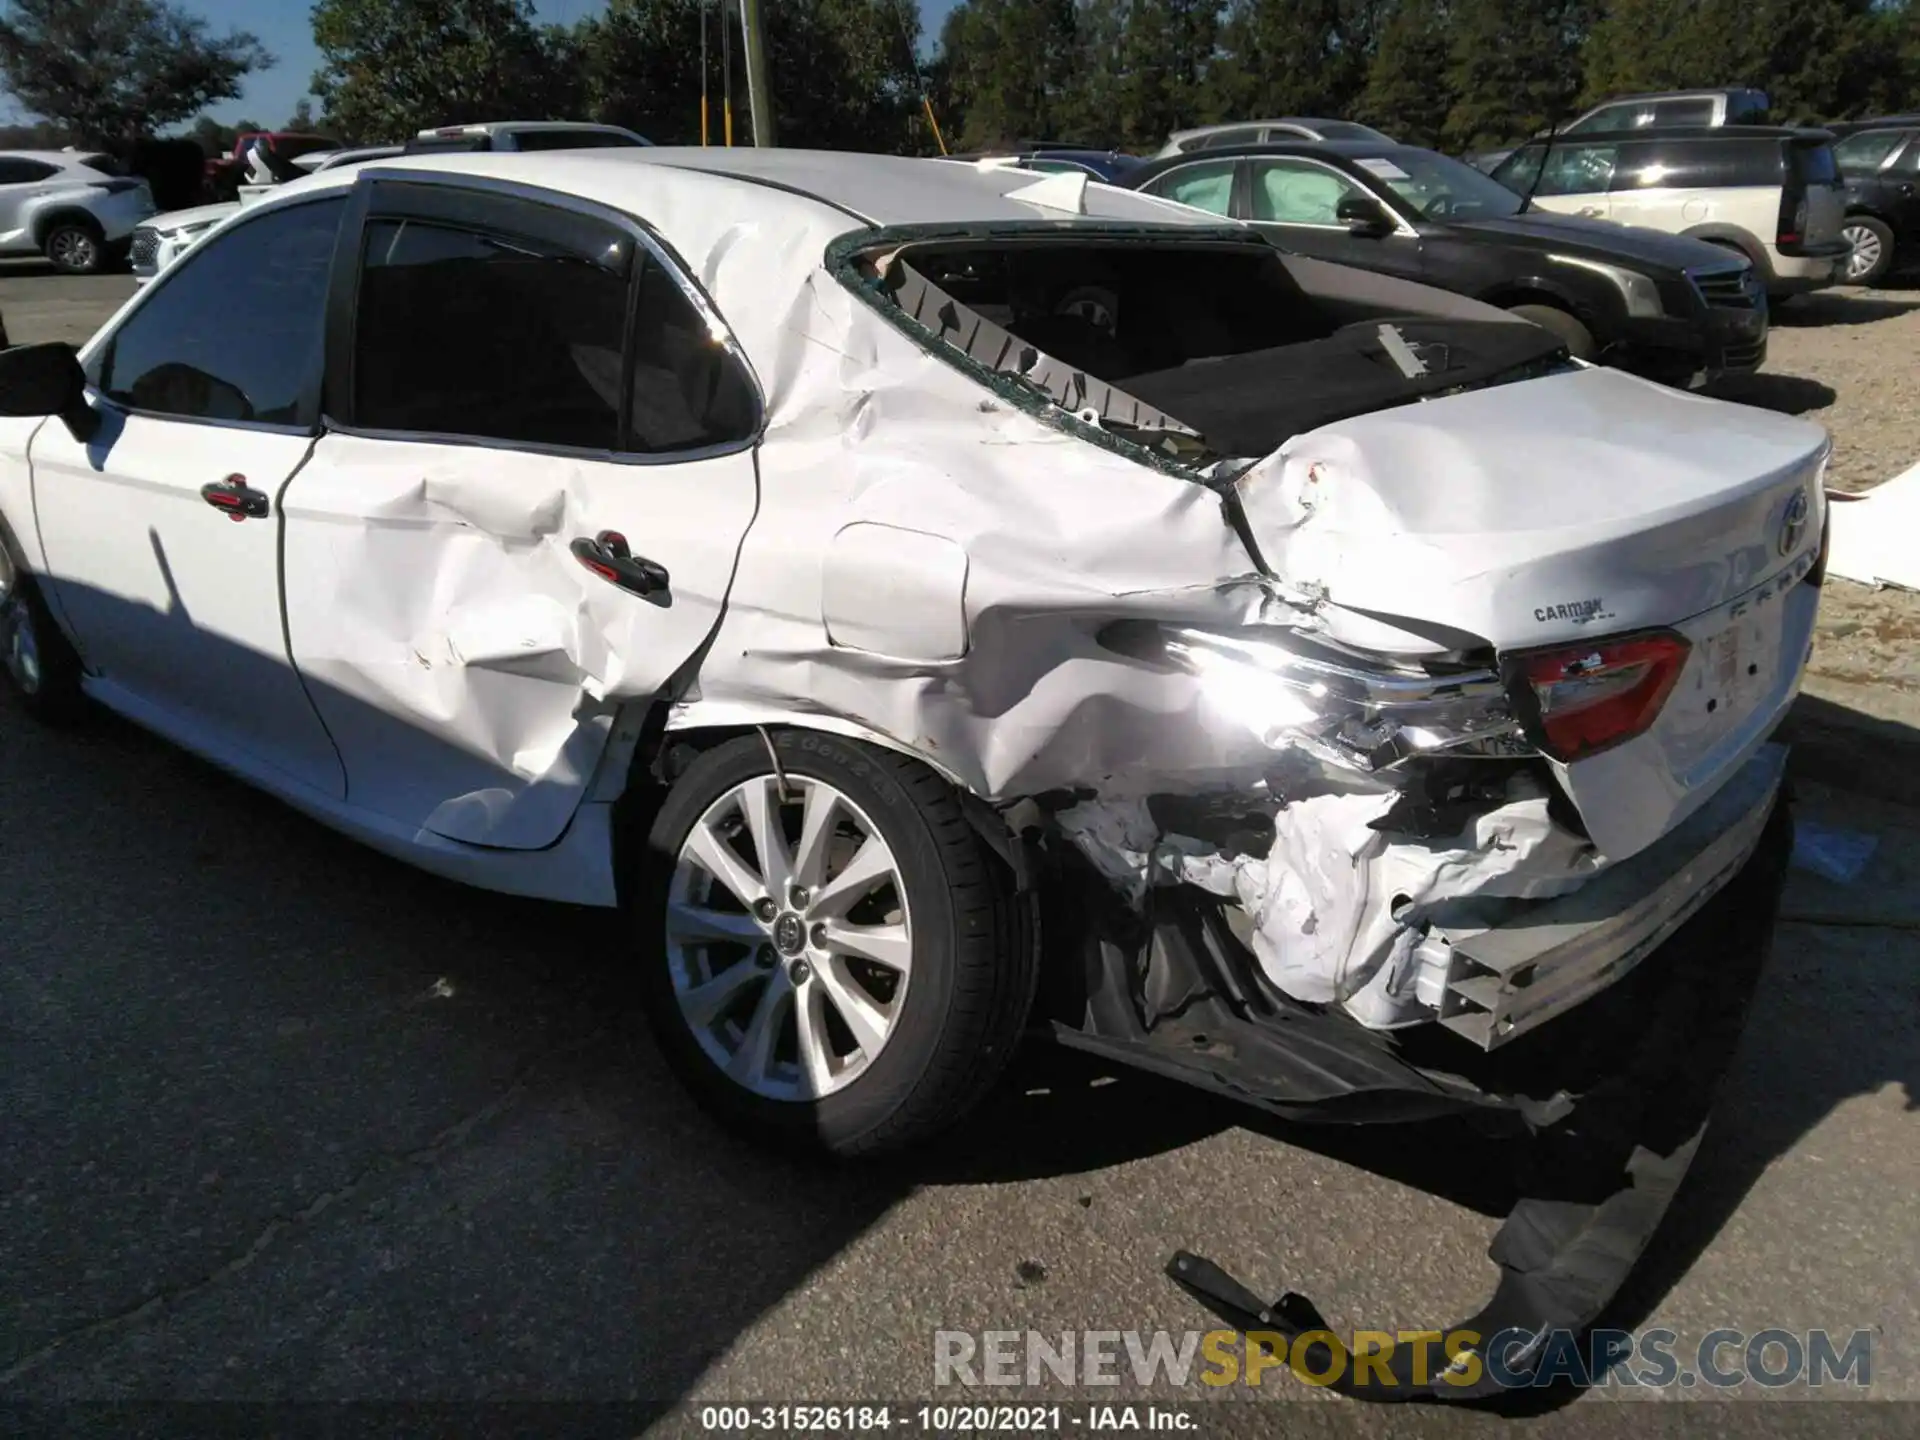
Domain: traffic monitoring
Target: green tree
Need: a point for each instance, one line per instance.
(641, 68)
(1009, 68)
(1168, 75)
(109, 71)
(1294, 57)
(842, 73)
(1646, 45)
(1408, 92)
(389, 68)
(1513, 67)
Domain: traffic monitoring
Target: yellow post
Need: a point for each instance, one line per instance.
(726, 118)
(938, 138)
(703, 120)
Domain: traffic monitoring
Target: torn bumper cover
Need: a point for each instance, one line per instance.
(1603, 1110)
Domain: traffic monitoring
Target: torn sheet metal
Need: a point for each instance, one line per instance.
(467, 666)
(1876, 536)
(1341, 910)
(1593, 1186)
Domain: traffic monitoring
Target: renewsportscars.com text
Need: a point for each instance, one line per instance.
(1723, 1359)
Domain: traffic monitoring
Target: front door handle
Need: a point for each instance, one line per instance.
(236, 498)
(607, 556)
(1592, 212)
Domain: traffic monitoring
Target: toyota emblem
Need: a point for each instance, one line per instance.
(1793, 524)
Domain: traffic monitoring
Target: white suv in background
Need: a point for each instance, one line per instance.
(1772, 193)
(70, 205)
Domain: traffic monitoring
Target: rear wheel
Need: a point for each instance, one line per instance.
(833, 959)
(39, 663)
(1578, 338)
(76, 247)
(1872, 254)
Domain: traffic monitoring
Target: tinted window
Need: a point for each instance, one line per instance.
(460, 333)
(570, 140)
(232, 331)
(1570, 169)
(468, 334)
(25, 172)
(1862, 154)
(1671, 114)
(1814, 164)
(1245, 135)
(105, 164)
(1607, 117)
(1706, 163)
(1206, 187)
(1299, 192)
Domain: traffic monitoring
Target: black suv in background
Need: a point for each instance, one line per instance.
(1772, 193)
(1880, 162)
(1674, 310)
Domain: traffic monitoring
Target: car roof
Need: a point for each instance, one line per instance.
(753, 225)
(1686, 132)
(1345, 149)
(494, 127)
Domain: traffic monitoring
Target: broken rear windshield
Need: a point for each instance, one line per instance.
(1199, 351)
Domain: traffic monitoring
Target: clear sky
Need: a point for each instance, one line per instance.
(285, 28)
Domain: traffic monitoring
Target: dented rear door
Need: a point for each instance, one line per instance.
(536, 474)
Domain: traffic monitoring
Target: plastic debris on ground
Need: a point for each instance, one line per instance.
(1836, 855)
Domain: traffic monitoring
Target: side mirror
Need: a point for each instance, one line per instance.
(1364, 215)
(47, 380)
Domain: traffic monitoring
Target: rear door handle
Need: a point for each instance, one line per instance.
(235, 497)
(607, 556)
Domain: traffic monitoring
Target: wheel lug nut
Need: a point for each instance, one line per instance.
(764, 911)
(819, 936)
(800, 972)
(765, 958)
(800, 897)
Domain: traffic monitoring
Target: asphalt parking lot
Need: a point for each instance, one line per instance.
(282, 1120)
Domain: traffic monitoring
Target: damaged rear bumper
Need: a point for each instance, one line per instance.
(1612, 1113)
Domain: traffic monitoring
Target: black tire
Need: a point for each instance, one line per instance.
(40, 665)
(75, 247)
(1578, 338)
(973, 971)
(1882, 236)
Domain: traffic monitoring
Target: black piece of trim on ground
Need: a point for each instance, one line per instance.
(1594, 1186)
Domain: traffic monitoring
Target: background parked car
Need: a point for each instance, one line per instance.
(1772, 193)
(1670, 308)
(1880, 163)
(1657, 110)
(1260, 132)
(523, 135)
(165, 238)
(1110, 166)
(72, 206)
(226, 173)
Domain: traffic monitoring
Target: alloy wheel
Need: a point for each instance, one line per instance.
(1866, 251)
(788, 938)
(72, 249)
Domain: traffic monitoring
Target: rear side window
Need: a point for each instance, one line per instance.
(1245, 135)
(1671, 114)
(105, 164)
(473, 335)
(1706, 163)
(570, 140)
(232, 331)
(1205, 187)
(1866, 152)
(1814, 164)
(1568, 170)
(24, 172)
(462, 333)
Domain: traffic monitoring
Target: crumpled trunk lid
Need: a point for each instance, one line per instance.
(1572, 508)
(1585, 503)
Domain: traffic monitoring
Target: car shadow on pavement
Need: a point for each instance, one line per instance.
(1838, 307)
(1788, 394)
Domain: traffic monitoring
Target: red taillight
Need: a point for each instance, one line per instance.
(1592, 697)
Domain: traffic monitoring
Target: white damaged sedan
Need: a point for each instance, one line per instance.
(941, 602)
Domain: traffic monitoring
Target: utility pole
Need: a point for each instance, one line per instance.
(759, 97)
